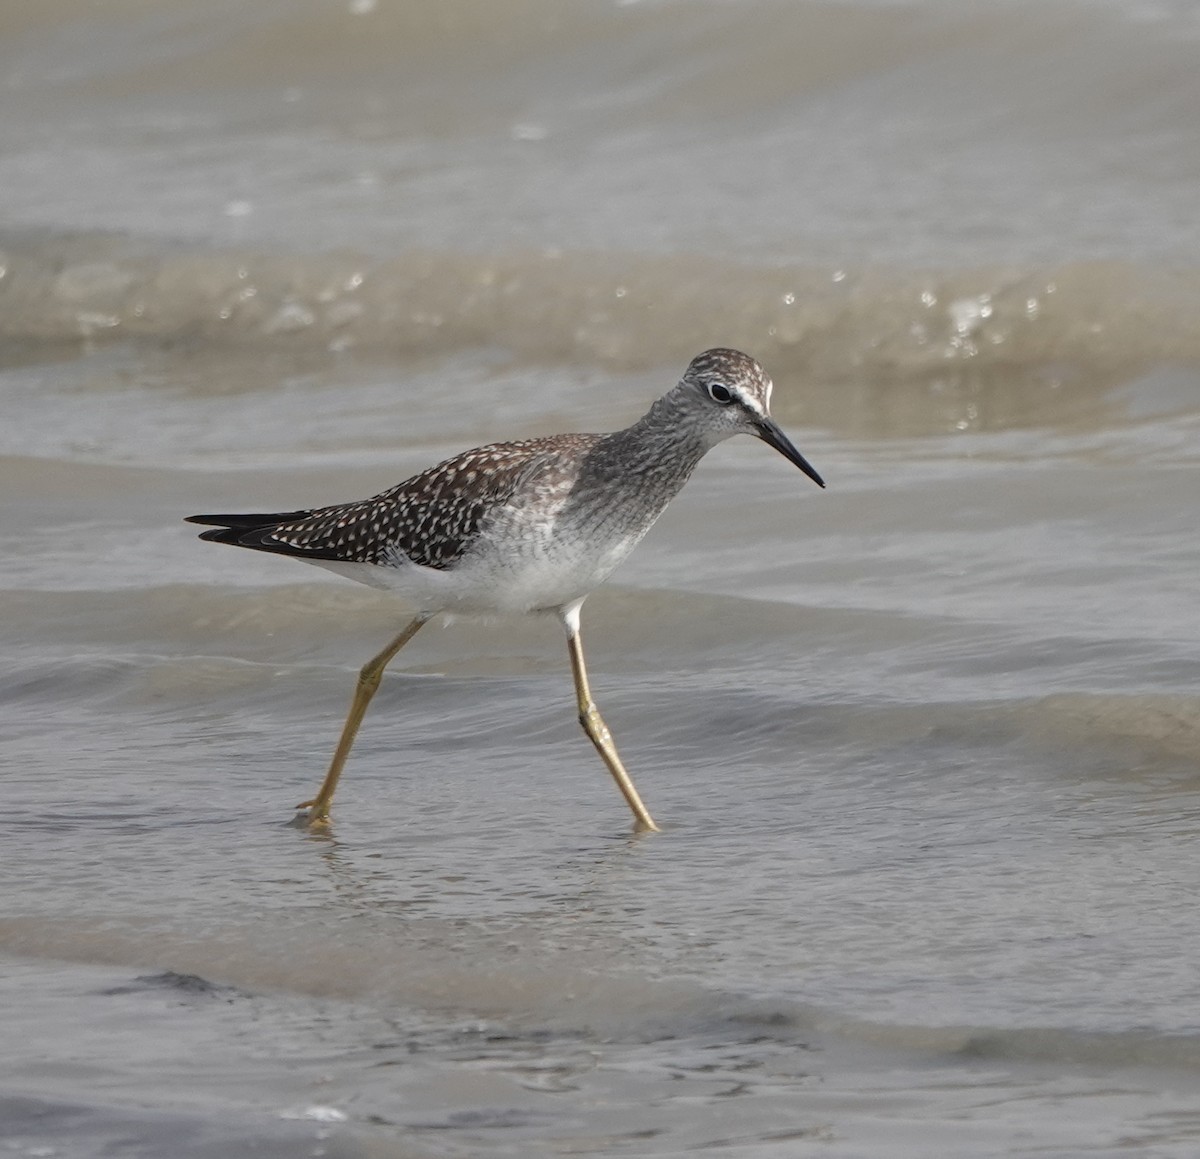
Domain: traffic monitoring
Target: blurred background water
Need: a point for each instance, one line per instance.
(926, 746)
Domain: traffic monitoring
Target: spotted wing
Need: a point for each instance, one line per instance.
(431, 519)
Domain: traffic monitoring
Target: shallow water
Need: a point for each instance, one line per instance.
(925, 746)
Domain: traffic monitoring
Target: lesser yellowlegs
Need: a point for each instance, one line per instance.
(530, 526)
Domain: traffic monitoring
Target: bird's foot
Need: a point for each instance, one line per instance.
(311, 815)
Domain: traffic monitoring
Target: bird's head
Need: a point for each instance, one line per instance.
(728, 394)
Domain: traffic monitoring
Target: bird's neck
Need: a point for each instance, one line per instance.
(662, 441)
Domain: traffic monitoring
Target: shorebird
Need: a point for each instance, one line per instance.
(520, 527)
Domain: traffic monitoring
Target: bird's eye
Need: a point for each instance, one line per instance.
(719, 393)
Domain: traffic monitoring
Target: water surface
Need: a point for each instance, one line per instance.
(925, 746)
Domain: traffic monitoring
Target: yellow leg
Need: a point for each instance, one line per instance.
(368, 682)
(597, 730)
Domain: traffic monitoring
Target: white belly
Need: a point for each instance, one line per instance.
(544, 575)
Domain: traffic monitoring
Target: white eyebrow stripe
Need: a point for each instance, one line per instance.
(749, 401)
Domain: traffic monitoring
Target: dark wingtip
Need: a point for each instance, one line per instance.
(237, 529)
(254, 519)
(256, 531)
(229, 520)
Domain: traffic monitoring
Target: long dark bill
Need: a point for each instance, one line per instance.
(769, 432)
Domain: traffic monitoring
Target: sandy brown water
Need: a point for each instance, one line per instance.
(925, 746)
